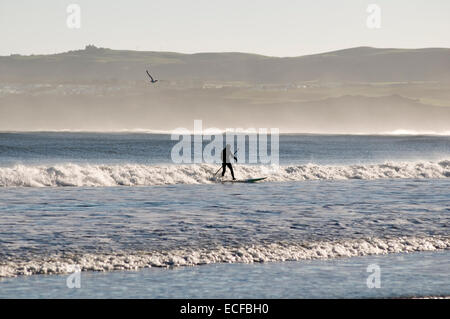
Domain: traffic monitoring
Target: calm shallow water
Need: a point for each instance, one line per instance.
(402, 275)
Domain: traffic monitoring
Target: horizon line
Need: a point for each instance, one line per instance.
(398, 132)
(231, 52)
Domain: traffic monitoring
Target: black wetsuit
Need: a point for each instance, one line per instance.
(226, 162)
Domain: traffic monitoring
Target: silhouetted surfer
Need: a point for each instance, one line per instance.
(226, 160)
(151, 77)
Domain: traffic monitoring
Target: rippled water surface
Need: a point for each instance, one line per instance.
(114, 201)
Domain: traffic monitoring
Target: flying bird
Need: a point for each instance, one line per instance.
(151, 78)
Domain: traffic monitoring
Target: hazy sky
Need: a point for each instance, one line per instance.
(276, 27)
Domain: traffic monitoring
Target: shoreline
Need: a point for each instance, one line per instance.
(416, 275)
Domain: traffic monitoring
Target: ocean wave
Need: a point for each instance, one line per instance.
(275, 252)
(138, 174)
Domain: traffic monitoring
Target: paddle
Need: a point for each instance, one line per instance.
(217, 171)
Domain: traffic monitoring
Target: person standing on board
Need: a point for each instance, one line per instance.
(226, 160)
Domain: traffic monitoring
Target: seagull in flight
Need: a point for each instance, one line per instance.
(151, 78)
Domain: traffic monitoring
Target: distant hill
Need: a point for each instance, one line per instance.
(357, 90)
(361, 64)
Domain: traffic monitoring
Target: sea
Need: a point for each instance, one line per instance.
(339, 216)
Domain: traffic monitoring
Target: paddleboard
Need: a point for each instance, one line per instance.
(250, 180)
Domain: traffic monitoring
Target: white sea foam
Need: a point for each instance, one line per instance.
(245, 254)
(137, 174)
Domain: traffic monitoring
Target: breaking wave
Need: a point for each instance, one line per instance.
(138, 174)
(245, 254)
